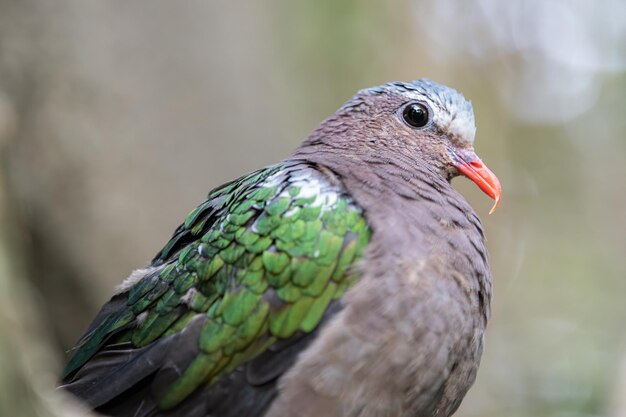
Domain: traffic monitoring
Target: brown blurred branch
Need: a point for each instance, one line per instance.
(28, 366)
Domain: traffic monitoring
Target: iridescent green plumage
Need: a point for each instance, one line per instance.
(262, 258)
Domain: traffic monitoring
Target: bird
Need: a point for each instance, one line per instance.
(349, 279)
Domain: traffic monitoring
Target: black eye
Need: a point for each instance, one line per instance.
(415, 115)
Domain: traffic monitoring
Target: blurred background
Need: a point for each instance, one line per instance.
(117, 117)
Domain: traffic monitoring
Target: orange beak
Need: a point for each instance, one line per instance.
(470, 165)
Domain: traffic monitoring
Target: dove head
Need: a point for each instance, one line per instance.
(420, 122)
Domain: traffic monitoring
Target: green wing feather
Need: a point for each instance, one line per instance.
(262, 257)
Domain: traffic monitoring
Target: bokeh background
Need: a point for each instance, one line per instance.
(117, 117)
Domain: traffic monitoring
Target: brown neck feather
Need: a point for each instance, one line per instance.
(413, 211)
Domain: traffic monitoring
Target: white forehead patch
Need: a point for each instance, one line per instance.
(457, 122)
